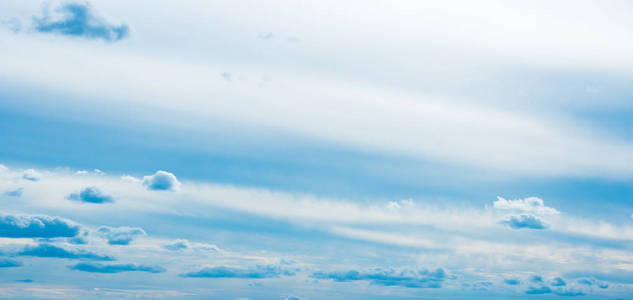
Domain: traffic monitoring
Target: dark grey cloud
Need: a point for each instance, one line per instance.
(120, 235)
(539, 290)
(525, 221)
(9, 263)
(406, 278)
(48, 250)
(110, 269)
(15, 192)
(269, 271)
(161, 181)
(79, 20)
(91, 194)
(36, 227)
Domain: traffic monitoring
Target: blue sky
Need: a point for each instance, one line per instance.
(316, 150)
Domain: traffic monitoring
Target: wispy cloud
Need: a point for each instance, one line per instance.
(48, 250)
(269, 271)
(116, 268)
(390, 277)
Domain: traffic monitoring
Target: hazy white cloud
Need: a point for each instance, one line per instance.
(529, 205)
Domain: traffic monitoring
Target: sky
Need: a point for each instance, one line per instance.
(311, 150)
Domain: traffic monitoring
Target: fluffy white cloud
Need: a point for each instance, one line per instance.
(161, 181)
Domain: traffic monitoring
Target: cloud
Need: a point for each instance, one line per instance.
(110, 269)
(9, 263)
(405, 278)
(78, 20)
(538, 290)
(568, 292)
(266, 36)
(525, 221)
(557, 282)
(589, 282)
(177, 245)
(14, 193)
(512, 281)
(269, 271)
(48, 250)
(91, 195)
(536, 278)
(531, 204)
(120, 235)
(32, 175)
(161, 181)
(36, 227)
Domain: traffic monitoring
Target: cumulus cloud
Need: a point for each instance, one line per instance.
(178, 245)
(15, 192)
(117, 268)
(9, 263)
(512, 281)
(120, 235)
(568, 292)
(36, 227)
(48, 250)
(161, 181)
(558, 282)
(405, 278)
(531, 205)
(78, 20)
(536, 278)
(524, 221)
(538, 290)
(269, 271)
(91, 194)
(31, 175)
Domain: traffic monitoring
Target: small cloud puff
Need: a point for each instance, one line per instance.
(525, 221)
(120, 235)
(79, 21)
(512, 281)
(161, 181)
(110, 269)
(558, 282)
(530, 204)
(390, 277)
(269, 271)
(36, 227)
(31, 175)
(538, 290)
(9, 263)
(91, 194)
(47, 250)
(178, 245)
(14, 193)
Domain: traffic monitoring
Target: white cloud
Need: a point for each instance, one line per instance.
(161, 181)
(531, 204)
